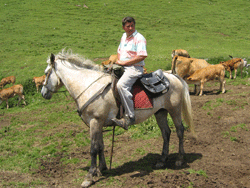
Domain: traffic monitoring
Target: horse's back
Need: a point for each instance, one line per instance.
(176, 82)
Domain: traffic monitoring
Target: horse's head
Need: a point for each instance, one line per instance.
(52, 81)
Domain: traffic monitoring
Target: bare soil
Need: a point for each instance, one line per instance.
(220, 157)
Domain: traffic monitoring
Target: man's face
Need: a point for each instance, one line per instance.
(129, 28)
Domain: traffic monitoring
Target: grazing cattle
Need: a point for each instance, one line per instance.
(184, 67)
(210, 72)
(10, 92)
(7, 80)
(39, 81)
(180, 52)
(233, 65)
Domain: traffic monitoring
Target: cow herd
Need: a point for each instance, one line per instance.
(7, 93)
(192, 70)
(12, 91)
(198, 71)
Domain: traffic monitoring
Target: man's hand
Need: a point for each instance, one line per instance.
(119, 62)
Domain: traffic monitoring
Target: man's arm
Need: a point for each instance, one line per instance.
(129, 62)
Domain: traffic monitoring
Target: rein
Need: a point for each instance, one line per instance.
(90, 85)
(100, 91)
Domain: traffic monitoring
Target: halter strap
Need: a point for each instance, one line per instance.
(50, 70)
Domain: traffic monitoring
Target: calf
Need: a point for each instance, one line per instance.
(234, 64)
(112, 59)
(210, 72)
(7, 80)
(39, 81)
(184, 67)
(180, 52)
(10, 92)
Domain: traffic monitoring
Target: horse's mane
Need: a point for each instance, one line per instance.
(77, 60)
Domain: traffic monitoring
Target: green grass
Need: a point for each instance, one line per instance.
(233, 130)
(31, 30)
(200, 172)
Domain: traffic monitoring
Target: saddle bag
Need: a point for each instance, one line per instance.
(155, 82)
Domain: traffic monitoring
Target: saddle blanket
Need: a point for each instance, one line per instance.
(140, 97)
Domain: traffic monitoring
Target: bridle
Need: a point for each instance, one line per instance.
(52, 67)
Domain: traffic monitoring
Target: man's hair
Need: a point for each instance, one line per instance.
(127, 19)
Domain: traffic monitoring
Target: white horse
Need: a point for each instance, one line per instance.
(90, 87)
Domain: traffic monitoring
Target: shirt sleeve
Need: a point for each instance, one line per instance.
(141, 47)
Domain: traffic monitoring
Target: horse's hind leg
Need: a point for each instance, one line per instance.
(177, 119)
(161, 118)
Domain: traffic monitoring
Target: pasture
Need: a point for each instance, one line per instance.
(45, 144)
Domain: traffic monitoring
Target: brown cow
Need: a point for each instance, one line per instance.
(234, 64)
(208, 73)
(180, 52)
(7, 80)
(184, 67)
(39, 81)
(10, 92)
(112, 59)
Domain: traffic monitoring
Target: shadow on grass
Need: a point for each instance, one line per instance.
(146, 165)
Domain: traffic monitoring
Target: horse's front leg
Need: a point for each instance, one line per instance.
(97, 148)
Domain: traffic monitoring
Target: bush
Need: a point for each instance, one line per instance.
(29, 87)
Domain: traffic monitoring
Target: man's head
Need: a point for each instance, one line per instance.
(127, 19)
(128, 24)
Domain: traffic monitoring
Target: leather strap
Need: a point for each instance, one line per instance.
(91, 99)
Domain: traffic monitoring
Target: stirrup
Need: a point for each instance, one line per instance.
(124, 122)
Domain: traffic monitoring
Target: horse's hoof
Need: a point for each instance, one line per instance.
(179, 163)
(86, 183)
(159, 165)
(98, 173)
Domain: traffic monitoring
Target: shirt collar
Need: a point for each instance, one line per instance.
(133, 34)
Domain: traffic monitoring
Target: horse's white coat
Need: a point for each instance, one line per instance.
(81, 84)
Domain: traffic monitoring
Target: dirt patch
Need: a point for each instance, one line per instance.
(218, 158)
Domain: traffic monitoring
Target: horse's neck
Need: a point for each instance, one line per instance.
(83, 83)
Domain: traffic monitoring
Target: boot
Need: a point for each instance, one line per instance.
(124, 122)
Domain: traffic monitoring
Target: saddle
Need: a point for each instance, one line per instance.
(154, 84)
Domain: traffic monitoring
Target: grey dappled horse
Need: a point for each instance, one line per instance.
(90, 87)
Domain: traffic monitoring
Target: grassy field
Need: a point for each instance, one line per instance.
(31, 30)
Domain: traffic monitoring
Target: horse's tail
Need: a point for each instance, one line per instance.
(187, 108)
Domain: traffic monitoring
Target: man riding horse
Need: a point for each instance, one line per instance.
(131, 54)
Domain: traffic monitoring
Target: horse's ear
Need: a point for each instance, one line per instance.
(52, 58)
